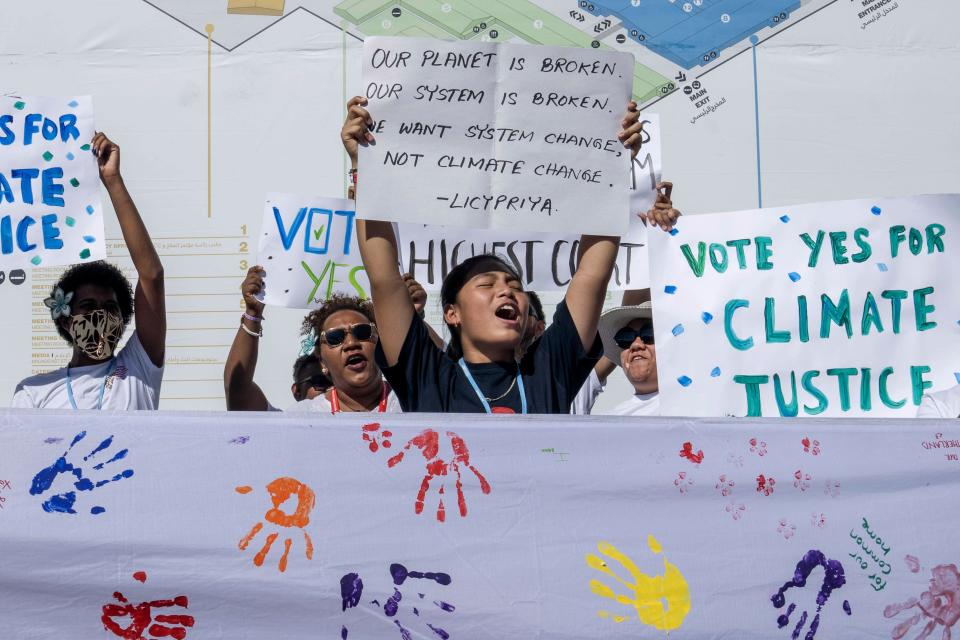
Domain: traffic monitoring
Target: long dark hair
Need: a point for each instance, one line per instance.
(455, 281)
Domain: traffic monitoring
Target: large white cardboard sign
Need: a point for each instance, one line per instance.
(830, 309)
(545, 261)
(500, 136)
(254, 526)
(50, 211)
(308, 248)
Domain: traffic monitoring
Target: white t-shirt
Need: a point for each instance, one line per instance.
(320, 404)
(943, 404)
(133, 384)
(640, 404)
(582, 405)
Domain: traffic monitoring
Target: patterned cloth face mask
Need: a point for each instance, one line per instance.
(96, 333)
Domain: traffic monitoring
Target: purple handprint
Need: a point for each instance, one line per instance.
(833, 579)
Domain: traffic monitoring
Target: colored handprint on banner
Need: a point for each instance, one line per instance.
(351, 592)
(375, 437)
(765, 485)
(696, 457)
(938, 606)
(143, 624)
(65, 502)
(811, 446)
(280, 491)
(661, 601)
(833, 579)
(428, 443)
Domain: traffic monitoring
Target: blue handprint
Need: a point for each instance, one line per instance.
(64, 502)
(833, 579)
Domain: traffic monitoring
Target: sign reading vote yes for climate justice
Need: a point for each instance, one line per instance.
(489, 135)
(545, 261)
(50, 211)
(831, 309)
(308, 248)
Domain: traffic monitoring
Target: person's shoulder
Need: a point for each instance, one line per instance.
(43, 379)
(944, 403)
(320, 404)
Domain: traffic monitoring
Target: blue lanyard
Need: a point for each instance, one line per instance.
(103, 385)
(483, 398)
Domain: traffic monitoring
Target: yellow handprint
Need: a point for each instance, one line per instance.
(661, 601)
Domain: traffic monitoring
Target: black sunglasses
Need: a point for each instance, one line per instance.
(335, 337)
(626, 336)
(316, 381)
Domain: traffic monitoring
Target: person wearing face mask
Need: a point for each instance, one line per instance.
(92, 304)
(627, 335)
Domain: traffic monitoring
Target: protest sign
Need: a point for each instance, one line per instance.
(50, 211)
(418, 526)
(545, 261)
(500, 136)
(830, 309)
(308, 248)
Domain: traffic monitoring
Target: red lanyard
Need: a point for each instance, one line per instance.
(335, 400)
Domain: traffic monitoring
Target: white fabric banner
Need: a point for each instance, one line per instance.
(829, 309)
(50, 211)
(422, 526)
(308, 249)
(489, 135)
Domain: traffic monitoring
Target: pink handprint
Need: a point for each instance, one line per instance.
(683, 483)
(735, 509)
(938, 605)
(758, 447)
(811, 446)
(801, 480)
(786, 529)
(765, 485)
(724, 486)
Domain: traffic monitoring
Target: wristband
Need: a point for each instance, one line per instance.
(253, 334)
(252, 318)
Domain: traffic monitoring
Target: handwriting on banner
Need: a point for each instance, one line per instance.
(479, 134)
(832, 282)
(880, 566)
(308, 247)
(4, 486)
(49, 184)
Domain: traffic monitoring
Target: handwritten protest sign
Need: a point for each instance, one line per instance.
(545, 261)
(50, 210)
(479, 134)
(308, 248)
(391, 526)
(832, 309)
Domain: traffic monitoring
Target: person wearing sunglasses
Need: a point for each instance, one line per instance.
(627, 335)
(308, 379)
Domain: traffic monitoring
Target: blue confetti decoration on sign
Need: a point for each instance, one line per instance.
(715, 373)
(793, 275)
(684, 381)
(677, 330)
(674, 231)
(73, 104)
(707, 317)
(89, 239)
(70, 156)
(883, 267)
(784, 219)
(876, 211)
(670, 289)
(957, 376)
(90, 209)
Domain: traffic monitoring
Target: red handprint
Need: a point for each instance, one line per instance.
(687, 452)
(376, 440)
(765, 485)
(811, 446)
(429, 444)
(280, 491)
(141, 617)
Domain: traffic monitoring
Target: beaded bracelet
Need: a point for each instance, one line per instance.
(253, 334)
(252, 318)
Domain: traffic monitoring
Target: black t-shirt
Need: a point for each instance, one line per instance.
(425, 379)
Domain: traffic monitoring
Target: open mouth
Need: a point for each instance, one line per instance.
(356, 362)
(508, 312)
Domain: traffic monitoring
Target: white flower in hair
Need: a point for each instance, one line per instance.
(59, 303)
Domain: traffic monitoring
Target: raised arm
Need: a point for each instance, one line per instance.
(378, 247)
(241, 391)
(150, 311)
(598, 254)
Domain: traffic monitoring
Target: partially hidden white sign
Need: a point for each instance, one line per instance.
(831, 309)
(479, 134)
(308, 248)
(50, 210)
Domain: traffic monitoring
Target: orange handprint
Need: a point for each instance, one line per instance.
(280, 491)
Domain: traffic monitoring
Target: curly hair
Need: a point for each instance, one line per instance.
(102, 274)
(313, 323)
